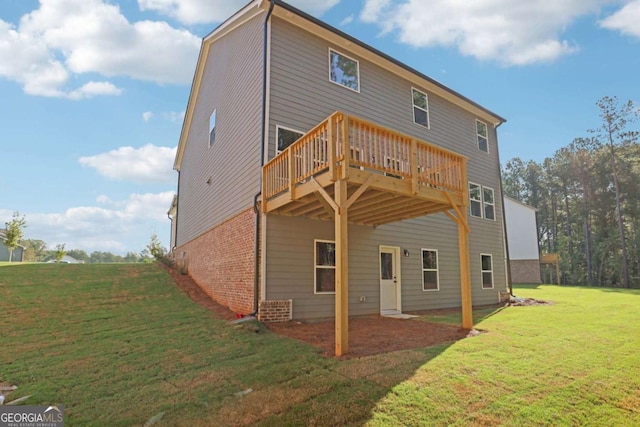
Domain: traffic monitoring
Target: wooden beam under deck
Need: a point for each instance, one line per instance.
(351, 171)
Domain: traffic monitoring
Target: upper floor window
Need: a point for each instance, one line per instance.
(344, 71)
(285, 137)
(430, 279)
(212, 128)
(489, 205)
(325, 267)
(483, 139)
(420, 108)
(481, 201)
(475, 200)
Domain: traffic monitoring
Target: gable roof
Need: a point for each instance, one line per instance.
(321, 29)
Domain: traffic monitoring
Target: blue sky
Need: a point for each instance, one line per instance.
(93, 91)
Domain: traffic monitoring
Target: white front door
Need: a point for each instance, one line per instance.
(389, 279)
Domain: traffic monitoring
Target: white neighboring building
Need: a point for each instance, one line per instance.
(522, 237)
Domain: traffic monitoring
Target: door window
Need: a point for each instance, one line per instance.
(386, 266)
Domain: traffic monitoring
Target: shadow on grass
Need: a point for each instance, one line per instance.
(351, 390)
(517, 286)
(627, 291)
(634, 290)
(453, 316)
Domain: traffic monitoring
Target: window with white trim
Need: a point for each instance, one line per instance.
(483, 138)
(487, 271)
(489, 204)
(481, 202)
(212, 128)
(475, 200)
(285, 137)
(344, 71)
(430, 273)
(324, 267)
(420, 108)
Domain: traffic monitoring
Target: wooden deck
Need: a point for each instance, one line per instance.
(393, 176)
(349, 170)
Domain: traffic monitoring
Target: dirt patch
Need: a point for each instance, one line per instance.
(371, 334)
(368, 335)
(195, 292)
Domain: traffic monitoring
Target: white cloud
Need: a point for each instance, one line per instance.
(625, 20)
(146, 116)
(66, 37)
(512, 33)
(373, 9)
(92, 89)
(346, 21)
(145, 164)
(125, 226)
(314, 7)
(194, 11)
(174, 116)
(207, 11)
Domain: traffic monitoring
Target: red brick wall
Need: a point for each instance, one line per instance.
(221, 261)
(275, 310)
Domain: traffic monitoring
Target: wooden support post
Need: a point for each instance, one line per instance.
(414, 167)
(346, 148)
(332, 146)
(263, 189)
(342, 269)
(465, 271)
(292, 173)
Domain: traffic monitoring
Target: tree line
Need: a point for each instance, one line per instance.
(587, 197)
(37, 250)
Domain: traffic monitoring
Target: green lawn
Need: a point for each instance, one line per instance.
(119, 344)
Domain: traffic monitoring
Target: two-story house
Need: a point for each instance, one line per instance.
(319, 177)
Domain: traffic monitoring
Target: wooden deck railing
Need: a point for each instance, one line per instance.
(342, 140)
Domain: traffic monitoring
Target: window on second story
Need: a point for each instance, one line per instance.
(285, 137)
(420, 108)
(344, 70)
(481, 202)
(212, 128)
(489, 204)
(483, 138)
(475, 200)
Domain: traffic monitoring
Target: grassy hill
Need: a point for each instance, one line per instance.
(119, 344)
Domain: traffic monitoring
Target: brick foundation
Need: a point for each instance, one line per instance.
(275, 310)
(525, 271)
(221, 262)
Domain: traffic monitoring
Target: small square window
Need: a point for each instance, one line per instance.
(487, 271)
(212, 128)
(483, 139)
(285, 137)
(325, 267)
(420, 108)
(430, 275)
(344, 70)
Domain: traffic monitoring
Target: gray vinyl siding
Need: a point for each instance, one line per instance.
(232, 85)
(301, 96)
(290, 265)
